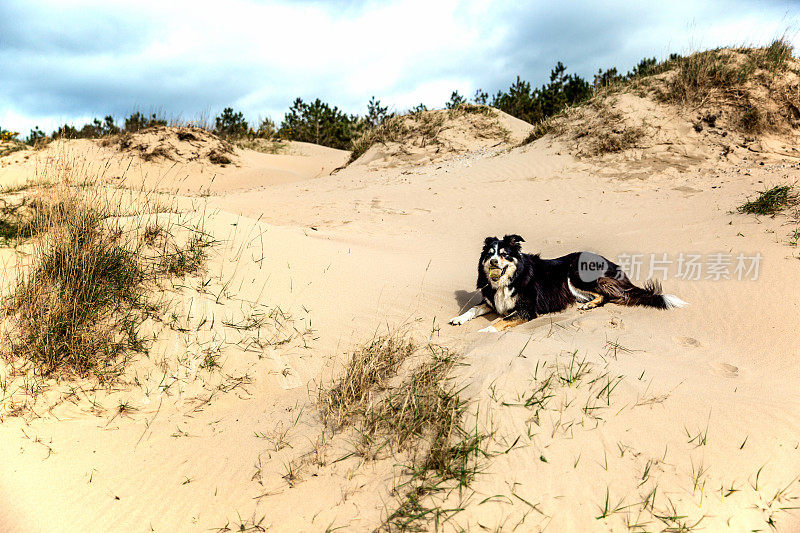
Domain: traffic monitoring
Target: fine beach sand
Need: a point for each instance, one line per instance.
(697, 409)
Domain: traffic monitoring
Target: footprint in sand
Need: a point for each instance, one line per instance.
(688, 191)
(688, 341)
(592, 324)
(286, 375)
(585, 324)
(725, 369)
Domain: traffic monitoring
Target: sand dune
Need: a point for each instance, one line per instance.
(172, 162)
(698, 405)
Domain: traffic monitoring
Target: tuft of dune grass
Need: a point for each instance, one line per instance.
(393, 129)
(419, 413)
(81, 291)
(367, 370)
(75, 307)
(183, 260)
(769, 201)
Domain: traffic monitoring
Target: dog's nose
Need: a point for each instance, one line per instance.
(493, 261)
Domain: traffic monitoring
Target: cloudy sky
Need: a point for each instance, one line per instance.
(69, 60)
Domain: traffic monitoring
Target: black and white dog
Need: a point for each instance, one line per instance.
(519, 286)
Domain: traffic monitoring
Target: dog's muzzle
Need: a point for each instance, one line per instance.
(495, 273)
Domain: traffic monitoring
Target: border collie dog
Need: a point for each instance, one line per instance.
(519, 286)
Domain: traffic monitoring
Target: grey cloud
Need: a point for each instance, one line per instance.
(62, 30)
(54, 87)
(587, 36)
(59, 62)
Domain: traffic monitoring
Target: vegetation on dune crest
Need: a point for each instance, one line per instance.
(168, 143)
(9, 142)
(747, 82)
(745, 90)
(423, 128)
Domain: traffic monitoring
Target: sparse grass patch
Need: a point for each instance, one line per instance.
(421, 415)
(424, 128)
(428, 125)
(466, 108)
(416, 406)
(426, 414)
(210, 360)
(794, 236)
(158, 152)
(769, 201)
(616, 140)
(83, 281)
(219, 157)
(172, 144)
(13, 223)
(10, 230)
(776, 56)
(188, 259)
(750, 119)
(596, 128)
(12, 147)
(546, 126)
(151, 233)
(265, 146)
(392, 130)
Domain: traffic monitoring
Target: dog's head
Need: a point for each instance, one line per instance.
(500, 259)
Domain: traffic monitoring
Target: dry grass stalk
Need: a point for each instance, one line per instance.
(367, 371)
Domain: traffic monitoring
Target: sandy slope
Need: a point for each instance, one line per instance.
(181, 170)
(365, 250)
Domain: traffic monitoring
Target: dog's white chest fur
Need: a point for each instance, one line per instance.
(505, 300)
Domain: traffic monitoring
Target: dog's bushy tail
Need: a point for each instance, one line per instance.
(648, 296)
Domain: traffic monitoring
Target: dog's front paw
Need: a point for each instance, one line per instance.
(458, 320)
(488, 329)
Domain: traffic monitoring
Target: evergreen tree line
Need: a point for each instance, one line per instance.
(321, 123)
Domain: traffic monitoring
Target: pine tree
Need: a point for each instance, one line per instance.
(230, 124)
(376, 114)
(320, 123)
(455, 100)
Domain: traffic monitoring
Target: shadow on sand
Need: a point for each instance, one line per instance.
(467, 299)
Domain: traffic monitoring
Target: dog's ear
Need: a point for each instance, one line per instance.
(489, 240)
(513, 240)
